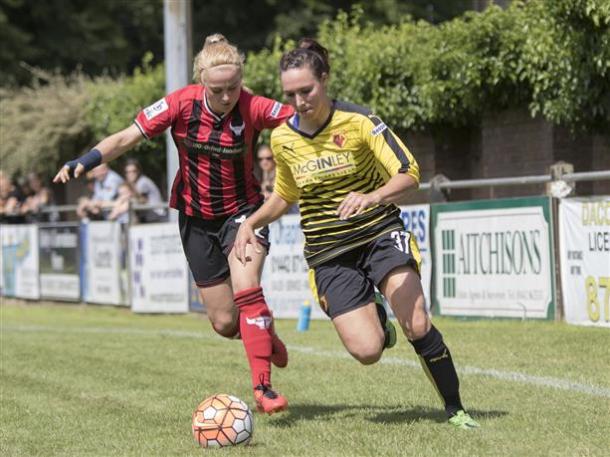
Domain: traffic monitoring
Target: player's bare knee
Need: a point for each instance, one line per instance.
(225, 326)
(367, 355)
(420, 325)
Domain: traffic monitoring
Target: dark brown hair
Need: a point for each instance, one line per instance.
(308, 52)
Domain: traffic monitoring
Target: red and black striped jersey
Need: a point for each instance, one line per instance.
(215, 178)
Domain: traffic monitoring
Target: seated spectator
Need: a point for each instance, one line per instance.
(120, 209)
(266, 165)
(146, 190)
(5, 191)
(39, 196)
(105, 190)
(11, 199)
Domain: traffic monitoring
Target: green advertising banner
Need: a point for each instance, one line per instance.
(494, 258)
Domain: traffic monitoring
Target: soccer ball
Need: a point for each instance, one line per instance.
(222, 420)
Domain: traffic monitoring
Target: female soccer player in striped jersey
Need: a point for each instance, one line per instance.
(215, 126)
(346, 168)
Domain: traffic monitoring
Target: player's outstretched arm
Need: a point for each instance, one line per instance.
(106, 150)
(271, 210)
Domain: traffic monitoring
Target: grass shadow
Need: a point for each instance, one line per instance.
(376, 414)
(425, 413)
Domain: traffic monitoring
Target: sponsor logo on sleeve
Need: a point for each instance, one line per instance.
(275, 111)
(378, 129)
(155, 109)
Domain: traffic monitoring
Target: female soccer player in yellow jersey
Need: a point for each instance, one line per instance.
(345, 168)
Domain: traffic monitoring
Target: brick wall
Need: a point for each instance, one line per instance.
(511, 143)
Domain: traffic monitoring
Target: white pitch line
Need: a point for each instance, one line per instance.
(512, 376)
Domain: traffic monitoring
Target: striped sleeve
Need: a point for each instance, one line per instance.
(267, 113)
(159, 116)
(391, 153)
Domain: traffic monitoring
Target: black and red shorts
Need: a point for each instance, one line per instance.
(207, 244)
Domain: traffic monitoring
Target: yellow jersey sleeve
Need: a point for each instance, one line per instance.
(285, 185)
(391, 153)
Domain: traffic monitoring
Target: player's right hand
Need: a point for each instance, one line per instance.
(68, 170)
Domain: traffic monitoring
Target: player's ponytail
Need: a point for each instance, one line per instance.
(216, 51)
(308, 52)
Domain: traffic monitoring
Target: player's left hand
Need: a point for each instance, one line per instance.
(355, 203)
(245, 235)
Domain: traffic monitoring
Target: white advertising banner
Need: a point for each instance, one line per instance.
(159, 271)
(494, 258)
(584, 246)
(417, 221)
(285, 279)
(20, 261)
(59, 262)
(103, 263)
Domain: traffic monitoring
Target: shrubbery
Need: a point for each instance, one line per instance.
(113, 105)
(43, 125)
(60, 118)
(551, 56)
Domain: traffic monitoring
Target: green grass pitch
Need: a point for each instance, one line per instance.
(100, 381)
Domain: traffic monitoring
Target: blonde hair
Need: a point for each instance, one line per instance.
(216, 51)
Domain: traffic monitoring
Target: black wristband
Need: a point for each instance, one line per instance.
(90, 160)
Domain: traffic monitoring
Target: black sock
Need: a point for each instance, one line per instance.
(438, 365)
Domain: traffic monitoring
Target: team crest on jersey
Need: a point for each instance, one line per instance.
(155, 109)
(237, 129)
(339, 139)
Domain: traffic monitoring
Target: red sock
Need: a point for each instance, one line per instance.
(255, 328)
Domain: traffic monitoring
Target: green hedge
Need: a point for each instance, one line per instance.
(113, 105)
(59, 118)
(551, 56)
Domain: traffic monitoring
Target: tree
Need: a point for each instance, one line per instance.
(111, 36)
(94, 37)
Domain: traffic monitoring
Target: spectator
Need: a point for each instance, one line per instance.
(5, 194)
(39, 197)
(266, 170)
(120, 208)
(11, 199)
(266, 165)
(146, 190)
(105, 191)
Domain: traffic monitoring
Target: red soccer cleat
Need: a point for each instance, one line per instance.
(268, 401)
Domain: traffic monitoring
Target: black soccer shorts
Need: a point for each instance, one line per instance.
(347, 282)
(207, 244)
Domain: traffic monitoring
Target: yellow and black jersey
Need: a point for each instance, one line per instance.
(354, 151)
